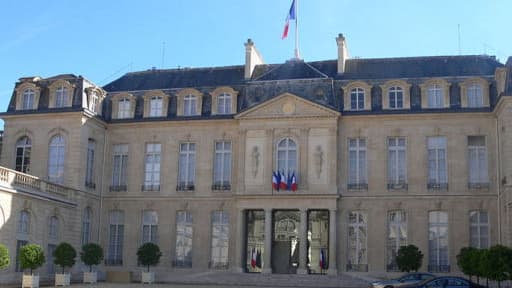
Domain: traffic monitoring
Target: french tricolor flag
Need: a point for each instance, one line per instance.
(293, 185)
(283, 185)
(321, 262)
(290, 16)
(276, 179)
(253, 258)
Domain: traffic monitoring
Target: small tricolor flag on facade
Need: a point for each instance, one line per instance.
(290, 16)
(321, 262)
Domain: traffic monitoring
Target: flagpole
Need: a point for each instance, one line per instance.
(297, 55)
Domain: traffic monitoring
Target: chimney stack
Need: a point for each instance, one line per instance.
(252, 58)
(342, 53)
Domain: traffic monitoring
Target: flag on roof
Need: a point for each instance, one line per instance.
(290, 16)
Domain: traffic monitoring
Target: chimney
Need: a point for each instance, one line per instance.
(342, 53)
(252, 58)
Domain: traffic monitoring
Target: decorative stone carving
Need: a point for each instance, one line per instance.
(319, 160)
(255, 160)
(288, 108)
(115, 205)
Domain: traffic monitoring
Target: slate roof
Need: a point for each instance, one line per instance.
(508, 83)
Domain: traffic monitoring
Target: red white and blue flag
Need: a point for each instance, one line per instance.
(283, 185)
(290, 16)
(322, 263)
(276, 179)
(253, 258)
(293, 182)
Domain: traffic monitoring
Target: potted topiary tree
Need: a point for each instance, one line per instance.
(92, 254)
(31, 257)
(148, 255)
(408, 258)
(64, 256)
(4, 257)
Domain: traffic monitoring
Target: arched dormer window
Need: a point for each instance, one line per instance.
(224, 101)
(474, 93)
(287, 156)
(155, 104)
(123, 106)
(27, 95)
(61, 96)
(56, 159)
(189, 105)
(395, 95)
(189, 102)
(123, 110)
(435, 94)
(357, 96)
(28, 99)
(357, 99)
(23, 153)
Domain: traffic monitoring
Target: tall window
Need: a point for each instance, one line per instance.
(23, 153)
(222, 166)
(357, 99)
(86, 225)
(475, 97)
(187, 166)
(397, 236)
(119, 166)
(156, 106)
(479, 229)
(220, 239)
(123, 110)
(61, 96)
(50, 266)
(397, 162)
(116, 237)
(149, 226)
(23, 231)
(183, 239)
(94, 102)
(438, 242)
(287, 156)
(28, 99)
(189, 105)
(477, 153)
(437, 175)
(89, 169)
(357, 235)
(357, 163)
(435, 96)
(152, 167)
(53, 229)
(56, 159)
(396, 97)
(224, 103)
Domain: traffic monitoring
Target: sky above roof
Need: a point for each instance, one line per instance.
(102, 40)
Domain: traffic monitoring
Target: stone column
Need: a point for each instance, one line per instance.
(303, 240)
(267, 256)
(332, 243)
(240, 234)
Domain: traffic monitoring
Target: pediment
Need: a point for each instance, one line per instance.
(287, 105)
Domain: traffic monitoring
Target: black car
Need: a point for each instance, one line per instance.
(404, 280)
(445, 282)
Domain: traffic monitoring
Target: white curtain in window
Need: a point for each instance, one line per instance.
(56, 159)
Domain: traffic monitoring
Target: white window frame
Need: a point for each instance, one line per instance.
(119, 164)
(89, 164)
(53, 229)
(397, 226)
(187, 166)
(436, 148)
(184, 239)
(61, 96)
(397, 171)
(475, 95)
(435, 254)
(477, 227)
(219, 256)
(189, 105)
(25, 144)
(152, 162)
(29, 97)
(124, 108)
(287, 156)
(394, 94)
(149, 226)
(93, 104)
(477, 155)
(435, 97)
(357, 176)
(359, 256)
(23, 228)
(86, 225)
(357, 99)
(156, 106)
(224, 101)
(56, 159)
(116, 238)
(222, 164)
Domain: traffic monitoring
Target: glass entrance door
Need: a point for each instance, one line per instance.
(285, 241)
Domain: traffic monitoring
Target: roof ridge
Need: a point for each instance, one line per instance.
(186, 69)
(427, 57)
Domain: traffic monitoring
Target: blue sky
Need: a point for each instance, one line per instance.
(102, 40)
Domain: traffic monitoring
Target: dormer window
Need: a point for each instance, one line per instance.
(93, 104)
(61, 96)
(156, 106)
(396, 97)
(475, 96)
(189, 105)
(435, 93)
(224, 103)
(124, 108)
(474, 93)
(435, 96)
(28, 99)
(357, 99)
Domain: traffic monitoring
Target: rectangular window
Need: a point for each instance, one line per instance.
(28, 99)
(50, 267)
(152, 167)
(149, 227)
(438, 242)
(124, 108)
(116, 237)
(119, 167)
(474, 94)
(479, 229)
(19, 244)
(437, 171)
(357, 164)
(187, 166)
(184, 233)
(222, 166)
(156, 106)
(224, 103)
(357, 233)
(93, 104)
(477, 154)
(89, 170)
(189, 105)
(397, 163)
(357, 99)
(396, 98)
(435, 96)
(220, 240)
(397, 237)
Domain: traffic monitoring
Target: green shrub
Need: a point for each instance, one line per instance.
(468, 260)
(498, 261)
(91, 254)
(4, 256)
(409, 258)
(149, 254)
(64, 255)
(31, 257)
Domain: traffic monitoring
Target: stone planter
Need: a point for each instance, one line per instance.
(62, 279)
(148, 277)
(31, 281)
(90, 277)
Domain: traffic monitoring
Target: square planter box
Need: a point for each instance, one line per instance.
(31, 281)
(62, 279)
(148, 277)
(90, 277)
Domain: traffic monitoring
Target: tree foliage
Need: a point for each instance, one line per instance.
(498, 262)
(4, 257)
(64, 255)
(91, 254)
(31, 257)
(149, 254)
(409, 258)
(467, 260)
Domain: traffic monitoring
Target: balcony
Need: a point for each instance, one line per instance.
(482, 186)
(185, 187)
(118, 188)
(150, 187)
(439, 268)
(435, 186)
(398, 186)
(357, 186)
(113, 262)
(221, 186)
